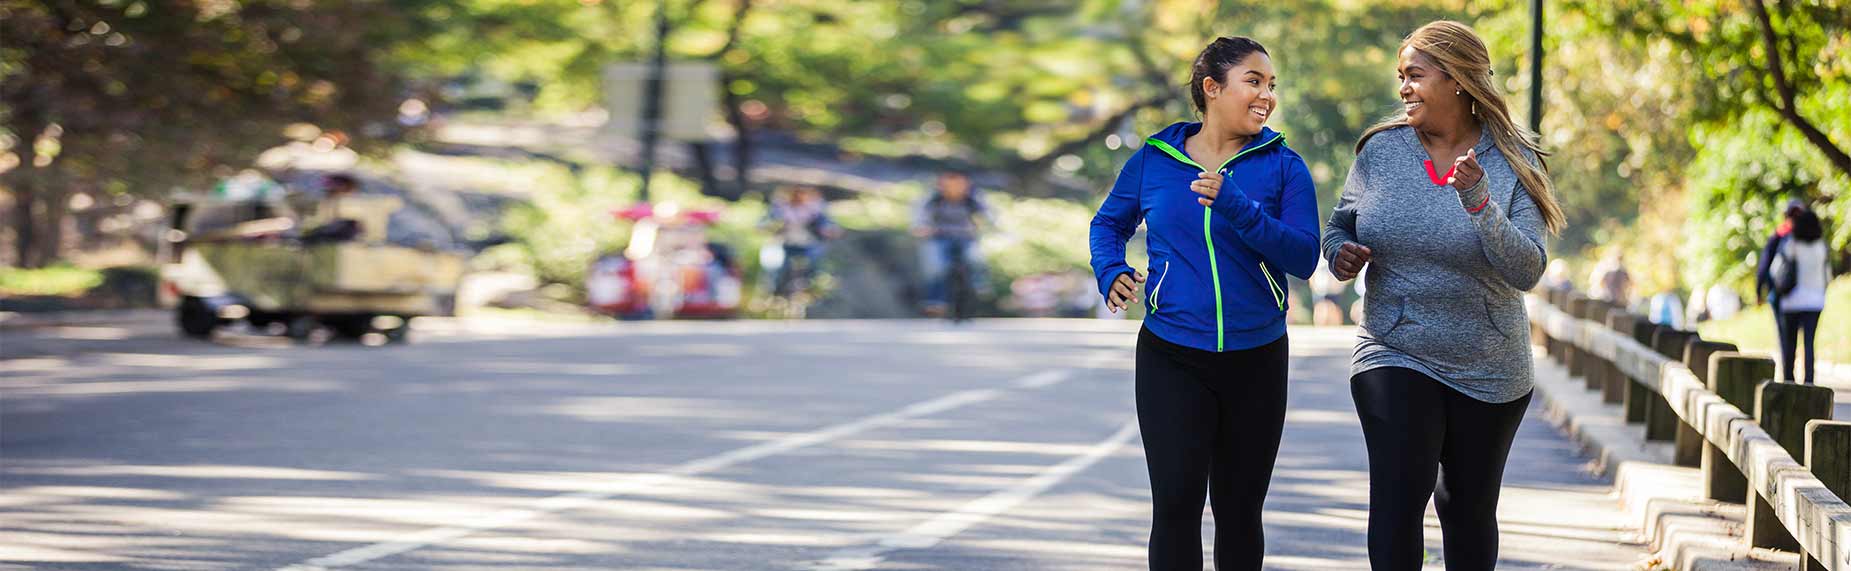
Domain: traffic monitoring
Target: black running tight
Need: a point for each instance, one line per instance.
(1422, 433)
(1211, 424)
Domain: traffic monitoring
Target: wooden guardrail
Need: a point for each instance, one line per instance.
(1700, 395)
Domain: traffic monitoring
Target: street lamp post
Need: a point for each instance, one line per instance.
(1536, 62)
(652, 99)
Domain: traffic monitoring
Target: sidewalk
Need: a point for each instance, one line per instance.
(1684, 531)
(18, 320)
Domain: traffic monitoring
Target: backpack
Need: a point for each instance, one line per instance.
(1786, 272)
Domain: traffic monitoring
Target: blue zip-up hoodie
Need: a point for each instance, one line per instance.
(1215, 280)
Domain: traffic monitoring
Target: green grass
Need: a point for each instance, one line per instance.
(1753, 328)
(64, 281)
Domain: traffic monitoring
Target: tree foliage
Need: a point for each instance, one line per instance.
(142, 96)
(1670, 129)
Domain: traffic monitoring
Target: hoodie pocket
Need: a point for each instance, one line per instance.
(1272, 288)
(1381, 319)
(1156, 291)
(1507, 317)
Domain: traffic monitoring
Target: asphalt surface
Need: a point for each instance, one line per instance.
(745, 445)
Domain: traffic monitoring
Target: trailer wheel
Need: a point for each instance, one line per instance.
(195, 319)
(352, 326)
(300, 327)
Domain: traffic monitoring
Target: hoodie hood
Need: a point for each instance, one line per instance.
(1175, 135)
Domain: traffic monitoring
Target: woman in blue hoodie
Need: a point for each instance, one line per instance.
(1211, 358)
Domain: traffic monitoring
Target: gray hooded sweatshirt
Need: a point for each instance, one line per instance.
(1445, 284)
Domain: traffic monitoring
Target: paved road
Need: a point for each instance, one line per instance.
(751, 445)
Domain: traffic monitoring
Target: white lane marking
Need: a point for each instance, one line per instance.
(931, 532)
(438, 535)
(1042, 379)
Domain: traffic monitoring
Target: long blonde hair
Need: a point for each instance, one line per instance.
(1462, 55)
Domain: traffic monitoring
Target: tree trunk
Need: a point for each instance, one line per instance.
(23, 229)
(39, 209)
(1788, 105)
(25, 181)
(742, 143)
(54, 206)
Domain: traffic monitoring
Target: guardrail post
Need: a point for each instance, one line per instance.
(1550, 345)
(1733, 376)
(1688, 447)
(1828, 457)
(1557, 298)
(1577, 358)
(1697, 357)
(1617, 387)
(1539, 336)
(1597, 368)
(1783, 409)
(1660, 420)
(1634, 396)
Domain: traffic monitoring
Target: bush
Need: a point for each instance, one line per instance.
(62, 281)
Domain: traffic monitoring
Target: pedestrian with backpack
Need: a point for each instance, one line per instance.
(1799, 270)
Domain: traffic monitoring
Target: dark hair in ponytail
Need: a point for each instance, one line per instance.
(1215, 61)
(1806, 226)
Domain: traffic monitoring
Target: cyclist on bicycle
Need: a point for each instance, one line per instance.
(800, 224)
(947, 224)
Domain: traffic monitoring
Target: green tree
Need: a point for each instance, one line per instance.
(1761, 106)
(142, 96)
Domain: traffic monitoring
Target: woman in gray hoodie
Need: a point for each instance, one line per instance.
(1447, 203)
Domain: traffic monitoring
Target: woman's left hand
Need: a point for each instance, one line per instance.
(1207, 184)
(1466, 171)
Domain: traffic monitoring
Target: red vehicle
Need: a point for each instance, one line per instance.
(670, 269)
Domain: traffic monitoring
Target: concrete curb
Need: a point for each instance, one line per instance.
(1685, 531)
(10, 321)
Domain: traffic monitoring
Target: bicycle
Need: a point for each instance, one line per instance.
(792, 286)
(961, 290)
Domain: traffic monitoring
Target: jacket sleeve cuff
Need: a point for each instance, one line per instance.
(1233, 203)
(1110, 275)
(1475, 199)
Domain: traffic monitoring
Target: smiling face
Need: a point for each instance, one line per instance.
(1244, 99)
(1429, 94)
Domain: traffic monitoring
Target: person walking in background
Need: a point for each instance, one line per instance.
(1800, 270)
(1764, 278)
(1442, 372)
(1697, 309)
(1721, 302)
(1667, 309)
(1610, 281)
(1229, 211)
(947, 223)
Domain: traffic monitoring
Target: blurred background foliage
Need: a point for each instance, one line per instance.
(1673, 142)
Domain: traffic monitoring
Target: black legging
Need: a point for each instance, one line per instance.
(1418, 430)
(1792, 323)
(1211, 423)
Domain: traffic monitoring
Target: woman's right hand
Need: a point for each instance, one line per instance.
(1124, 291)
(1350, 259)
